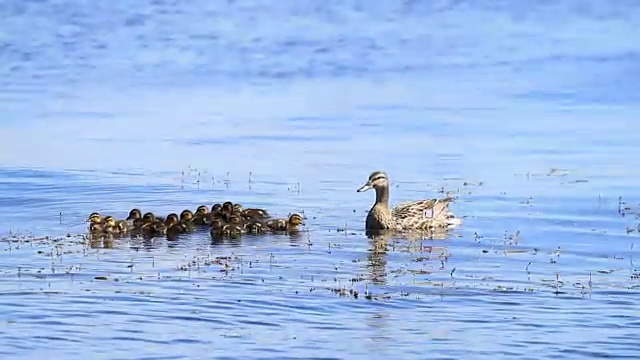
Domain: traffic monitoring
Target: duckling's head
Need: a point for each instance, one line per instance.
(109, 221)
(172, 219)
(202, 210)
(296, 219)
(134, 214)
(377, 180)
(216, 224)
(237, 208)
(94, 218)
(235, 219)
(148, 218)
(216, 208)
(227, 206)
(186, 215)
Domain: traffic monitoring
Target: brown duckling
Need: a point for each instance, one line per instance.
(110, 226)
(215, 208)
(216, 224)
(186, 217)
(96, 223)
(235, 219)
(134, 215)
(255, 228)
(292, 223)
(227, 209)
(235, 231)
(174, 226)
(237, 208)
(255, 213)
(201, 216)
(295, 220)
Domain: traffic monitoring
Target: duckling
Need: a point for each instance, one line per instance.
(147, 223)
(220, 231)
(110, 226)
(227, 209)
(171, 219)
(135, 217)
(216, 224)
(277, 224)
(235, 219)
(255, 228)
(255, 213)
(215, 208)
(174, 226)
(186, 217)
(295, 220)
(96, 223)
(291, 223)
(235, 231)
(201, 216)
(237, 208)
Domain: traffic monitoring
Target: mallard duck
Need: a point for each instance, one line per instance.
(135, 215)
(412, 215)
(201, 216)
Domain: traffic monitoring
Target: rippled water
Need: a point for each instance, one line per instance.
(526, 112)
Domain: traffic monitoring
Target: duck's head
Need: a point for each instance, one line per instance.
(186, 215)
(217, 224)
(227, 207)
(134, 214)
(171, 219)
(377, 180)
(148, 218)
(94, 218)
(235, 219)
(296, 219)
(216, 208)
(202, 210)
(109, 221)
(237, 208)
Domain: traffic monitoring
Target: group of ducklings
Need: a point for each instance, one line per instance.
(226, 219)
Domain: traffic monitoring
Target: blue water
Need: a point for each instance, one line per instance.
(526, 112)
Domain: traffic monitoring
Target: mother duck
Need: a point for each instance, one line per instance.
(407, 216)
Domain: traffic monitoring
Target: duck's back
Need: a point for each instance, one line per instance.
(422, 214)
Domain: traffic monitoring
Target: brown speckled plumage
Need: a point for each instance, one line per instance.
(411, 215)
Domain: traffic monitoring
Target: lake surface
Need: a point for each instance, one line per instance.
(527, 113)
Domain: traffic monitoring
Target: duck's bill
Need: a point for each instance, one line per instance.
(365, 187)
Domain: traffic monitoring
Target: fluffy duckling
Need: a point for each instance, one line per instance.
(96, 223)
(291, 223)
(186, 217)
(255, 228)
(174, 226)
(216, 224)
(135, 217)
(235, 231)
(215, 208)
(110, 226)
(201, 216)
(237, 208)
(255, 213)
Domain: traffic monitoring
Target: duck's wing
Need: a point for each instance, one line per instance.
(423, 209)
